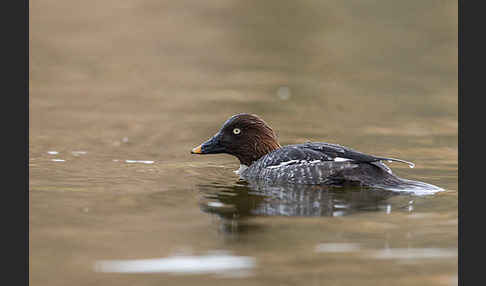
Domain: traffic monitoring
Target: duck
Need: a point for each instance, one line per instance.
(264, 161)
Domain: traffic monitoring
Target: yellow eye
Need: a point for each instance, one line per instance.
(236, 131)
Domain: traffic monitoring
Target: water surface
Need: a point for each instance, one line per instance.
(120, 92)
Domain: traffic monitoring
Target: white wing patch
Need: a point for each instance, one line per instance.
(283, 164)
(339, 159)
(294, 162)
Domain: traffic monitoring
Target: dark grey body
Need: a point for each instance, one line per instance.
(315, 164)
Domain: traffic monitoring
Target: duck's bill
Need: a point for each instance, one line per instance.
(212, 146)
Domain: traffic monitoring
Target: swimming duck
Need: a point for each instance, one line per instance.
(263, 159)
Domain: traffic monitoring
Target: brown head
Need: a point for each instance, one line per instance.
(245, 136)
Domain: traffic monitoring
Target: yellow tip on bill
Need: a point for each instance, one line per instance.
(196, 150)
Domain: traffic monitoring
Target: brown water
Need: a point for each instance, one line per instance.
(120, 91)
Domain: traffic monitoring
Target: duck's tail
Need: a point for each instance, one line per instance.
(409, 186)
(378, 175)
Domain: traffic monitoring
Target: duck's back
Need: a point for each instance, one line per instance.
(312, 151)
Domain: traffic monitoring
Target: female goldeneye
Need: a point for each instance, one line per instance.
(262, 159)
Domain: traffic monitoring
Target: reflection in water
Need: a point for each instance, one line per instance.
(217, 262)
(414, 253)
(337, 247)
(79, 153)
(388, 253)
(243, 200)
(139, 161)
